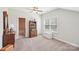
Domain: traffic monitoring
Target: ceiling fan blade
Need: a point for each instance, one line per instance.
(35, 7)
(39, 10)
(29, 8)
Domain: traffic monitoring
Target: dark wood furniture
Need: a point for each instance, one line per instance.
(22, 27)
(32, 29)
(8, 36)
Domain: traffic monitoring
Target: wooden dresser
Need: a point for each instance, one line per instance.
(9, 38)
(32, 29)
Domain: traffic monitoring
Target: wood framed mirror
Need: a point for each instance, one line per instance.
(5, 25)
(5, 21)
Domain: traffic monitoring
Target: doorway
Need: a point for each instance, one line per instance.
(22, 27)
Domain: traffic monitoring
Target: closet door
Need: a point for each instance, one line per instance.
(22, 27)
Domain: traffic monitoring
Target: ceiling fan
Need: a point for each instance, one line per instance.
(35, 9)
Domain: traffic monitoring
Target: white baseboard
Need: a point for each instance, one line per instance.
(67, 42)
(73, 44)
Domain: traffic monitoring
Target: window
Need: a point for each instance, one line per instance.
(51, 24)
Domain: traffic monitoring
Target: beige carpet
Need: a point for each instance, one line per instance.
(40, 43)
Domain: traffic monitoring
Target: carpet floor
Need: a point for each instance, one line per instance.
(40, 43)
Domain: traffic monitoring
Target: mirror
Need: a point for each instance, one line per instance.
(5, 21)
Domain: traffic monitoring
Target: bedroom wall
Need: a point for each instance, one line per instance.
(14, 14)
(67, 24)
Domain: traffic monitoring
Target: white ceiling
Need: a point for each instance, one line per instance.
(72, 8)
(45, 9)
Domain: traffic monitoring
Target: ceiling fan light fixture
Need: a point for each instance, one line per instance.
(35, 12)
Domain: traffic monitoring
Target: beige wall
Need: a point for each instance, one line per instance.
(67, 24)
(14, 14)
